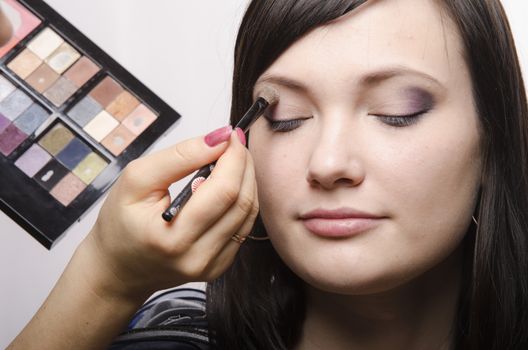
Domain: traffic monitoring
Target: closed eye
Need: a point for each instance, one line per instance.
(285, 125)
(400, 121)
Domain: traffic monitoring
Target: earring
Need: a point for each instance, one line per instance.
(474, 220)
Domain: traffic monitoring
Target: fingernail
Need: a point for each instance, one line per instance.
(218, 136)
(241, 136)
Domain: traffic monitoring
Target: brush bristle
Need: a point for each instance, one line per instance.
(270, 95)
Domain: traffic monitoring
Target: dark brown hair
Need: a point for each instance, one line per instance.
(259, 303)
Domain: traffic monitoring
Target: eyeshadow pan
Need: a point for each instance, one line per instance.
(50, 174)
(90, 167)
(25, 63)
(100, 126)
(139, 119)
(42, 78)
(122, 105)
(118, 140)
(82, 71)
(4, 122)
(106, 91)
(60, 91)
(73, 153)
(68, 189)
(62, 58)
(31, 118)
(56, 139)
(6, 88)
(10, 139)
(84, 111)
(45, 43)
(14, 104)
(33, 160)
(63, 106)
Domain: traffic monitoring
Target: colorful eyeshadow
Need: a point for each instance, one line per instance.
(68, 189)
(25, 63)
(106, 91)
(84, 111)
(139, 119)
(14, 104)
(33, 160)
(45, 43)
(31, 119)
(23, 22)
(4, 122)
(71, 118)
(74, 152)
(62, 58)
(100, 126)
(42, 78)
(118, 140)
(122, 105)
(10, 139)
(56, 139)
(90, 167)
(82, 71)
(60, 91)
(6, 88)
(50, 174)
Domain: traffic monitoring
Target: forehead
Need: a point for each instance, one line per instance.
(381, 33)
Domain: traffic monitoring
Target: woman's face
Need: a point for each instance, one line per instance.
(369, 166)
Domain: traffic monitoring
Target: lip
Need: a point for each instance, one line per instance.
(339, 223)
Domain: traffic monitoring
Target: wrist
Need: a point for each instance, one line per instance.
(98, 274)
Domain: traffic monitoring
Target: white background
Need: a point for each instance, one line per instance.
(182, 50)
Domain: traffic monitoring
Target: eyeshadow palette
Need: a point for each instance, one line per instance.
(71, 118)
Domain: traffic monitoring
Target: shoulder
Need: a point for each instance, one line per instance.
(174, 319)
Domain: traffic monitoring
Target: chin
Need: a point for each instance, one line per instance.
(349, 279)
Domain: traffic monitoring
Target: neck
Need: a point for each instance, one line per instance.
(417, 315)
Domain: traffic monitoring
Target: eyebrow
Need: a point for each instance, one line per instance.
(368, 80)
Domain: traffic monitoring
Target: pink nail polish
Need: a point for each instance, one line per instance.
(218, 136)
(241, 136)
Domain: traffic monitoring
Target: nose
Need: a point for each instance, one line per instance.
(336, 158)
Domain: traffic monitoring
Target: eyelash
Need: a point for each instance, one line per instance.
(400, 121)
(285, 125)
(397, 121)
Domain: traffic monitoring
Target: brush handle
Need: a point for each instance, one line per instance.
(182, 198)
(244, 123)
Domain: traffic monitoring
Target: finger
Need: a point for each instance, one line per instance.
(227, 255)
(238, 219)
(200, 259)
(216, 195)
(159, 170)
(209, 257)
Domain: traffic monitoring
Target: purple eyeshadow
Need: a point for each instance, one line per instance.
(4, 122)
(33, 160)
(10, 139)
(419, 100)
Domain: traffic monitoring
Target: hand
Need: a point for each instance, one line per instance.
(137, 252)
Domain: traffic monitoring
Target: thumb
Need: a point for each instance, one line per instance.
(159, 170)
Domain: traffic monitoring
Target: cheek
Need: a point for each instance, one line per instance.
(433, 180)
(279, 169)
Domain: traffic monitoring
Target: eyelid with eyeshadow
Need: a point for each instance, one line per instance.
(401, 120)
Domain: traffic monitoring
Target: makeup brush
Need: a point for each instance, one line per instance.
(267, 97)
